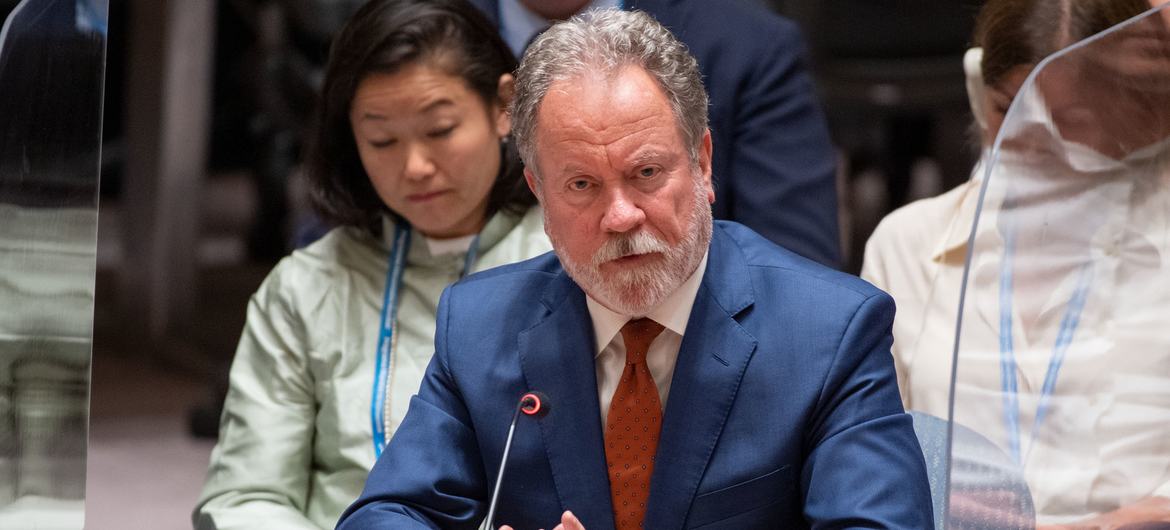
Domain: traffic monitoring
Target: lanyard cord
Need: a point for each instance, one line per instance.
(384, 354)
(1008, 366)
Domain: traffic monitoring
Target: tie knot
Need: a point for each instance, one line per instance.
(638, 334)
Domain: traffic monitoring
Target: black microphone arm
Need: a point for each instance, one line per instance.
(531, 404)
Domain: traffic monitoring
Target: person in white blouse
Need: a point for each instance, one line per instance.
(1063, 361)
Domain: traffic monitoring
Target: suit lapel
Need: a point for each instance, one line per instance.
(557, 357)
(711, 362)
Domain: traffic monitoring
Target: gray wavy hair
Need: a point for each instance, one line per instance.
(607, 40)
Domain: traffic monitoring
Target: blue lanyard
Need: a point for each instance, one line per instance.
(384, 355)
(1068, 327)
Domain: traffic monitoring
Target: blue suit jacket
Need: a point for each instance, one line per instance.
(783, 412)
(773, 163)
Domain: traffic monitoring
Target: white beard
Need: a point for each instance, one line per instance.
(635, 291)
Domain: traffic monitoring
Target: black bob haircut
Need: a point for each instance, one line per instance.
(385, 36)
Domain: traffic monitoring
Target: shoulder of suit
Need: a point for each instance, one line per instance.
(768, 258)
(543, 266)
(518, 290)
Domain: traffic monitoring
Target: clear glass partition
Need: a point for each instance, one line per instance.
(52, 58)
(1060, 404)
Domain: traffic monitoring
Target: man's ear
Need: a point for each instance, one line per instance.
(506, 90)
(705, 165)
(533, 183)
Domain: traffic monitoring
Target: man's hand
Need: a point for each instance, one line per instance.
(1149, 510)
(568, 522)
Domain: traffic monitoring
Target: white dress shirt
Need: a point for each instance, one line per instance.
(672, 313)
(518, 24)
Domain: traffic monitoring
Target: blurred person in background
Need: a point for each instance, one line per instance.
(775, 168)
(1100, 105)
(412, 162)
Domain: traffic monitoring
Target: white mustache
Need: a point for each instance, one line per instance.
(623, 245)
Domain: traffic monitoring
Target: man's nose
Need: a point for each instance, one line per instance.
(621, 214)
(419, 165)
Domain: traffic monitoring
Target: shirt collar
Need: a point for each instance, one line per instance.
(422, 251)
(455, 245)
(952, 244)
(518, 24)
(673, 312)
(958, 230)
(955, 238)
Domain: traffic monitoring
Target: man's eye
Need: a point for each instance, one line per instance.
(579, 185)
(648, 172)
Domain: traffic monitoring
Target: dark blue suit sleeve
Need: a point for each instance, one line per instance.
(431, 474)
(782, 180)
(864, 467)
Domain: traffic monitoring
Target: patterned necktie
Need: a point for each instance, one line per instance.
(631, 429)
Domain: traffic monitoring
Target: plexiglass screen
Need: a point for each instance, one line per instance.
(1060, 410)
(52, 57)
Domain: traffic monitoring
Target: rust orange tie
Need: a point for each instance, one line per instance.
(631, 428)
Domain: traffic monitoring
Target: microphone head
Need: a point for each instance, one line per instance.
(534, 404)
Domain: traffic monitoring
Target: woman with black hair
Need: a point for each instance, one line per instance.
(411, 161)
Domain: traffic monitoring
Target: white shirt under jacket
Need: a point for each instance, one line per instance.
(672, 313)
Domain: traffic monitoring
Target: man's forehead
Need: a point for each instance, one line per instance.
(605, 104)
(608, 84)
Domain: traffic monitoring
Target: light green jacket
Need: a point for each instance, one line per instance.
(295, 440)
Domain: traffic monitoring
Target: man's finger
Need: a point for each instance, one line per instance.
(570, 522)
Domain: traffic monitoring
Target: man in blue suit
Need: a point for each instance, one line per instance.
(696, 375)
(774, 170)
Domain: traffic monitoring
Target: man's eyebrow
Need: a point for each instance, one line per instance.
(647, 155)
(572, 168)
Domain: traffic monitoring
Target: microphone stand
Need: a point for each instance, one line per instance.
(504, 464)
(533, 404)
(530, 404)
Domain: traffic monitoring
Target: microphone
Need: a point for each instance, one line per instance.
(534, 404)
(531, 404)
